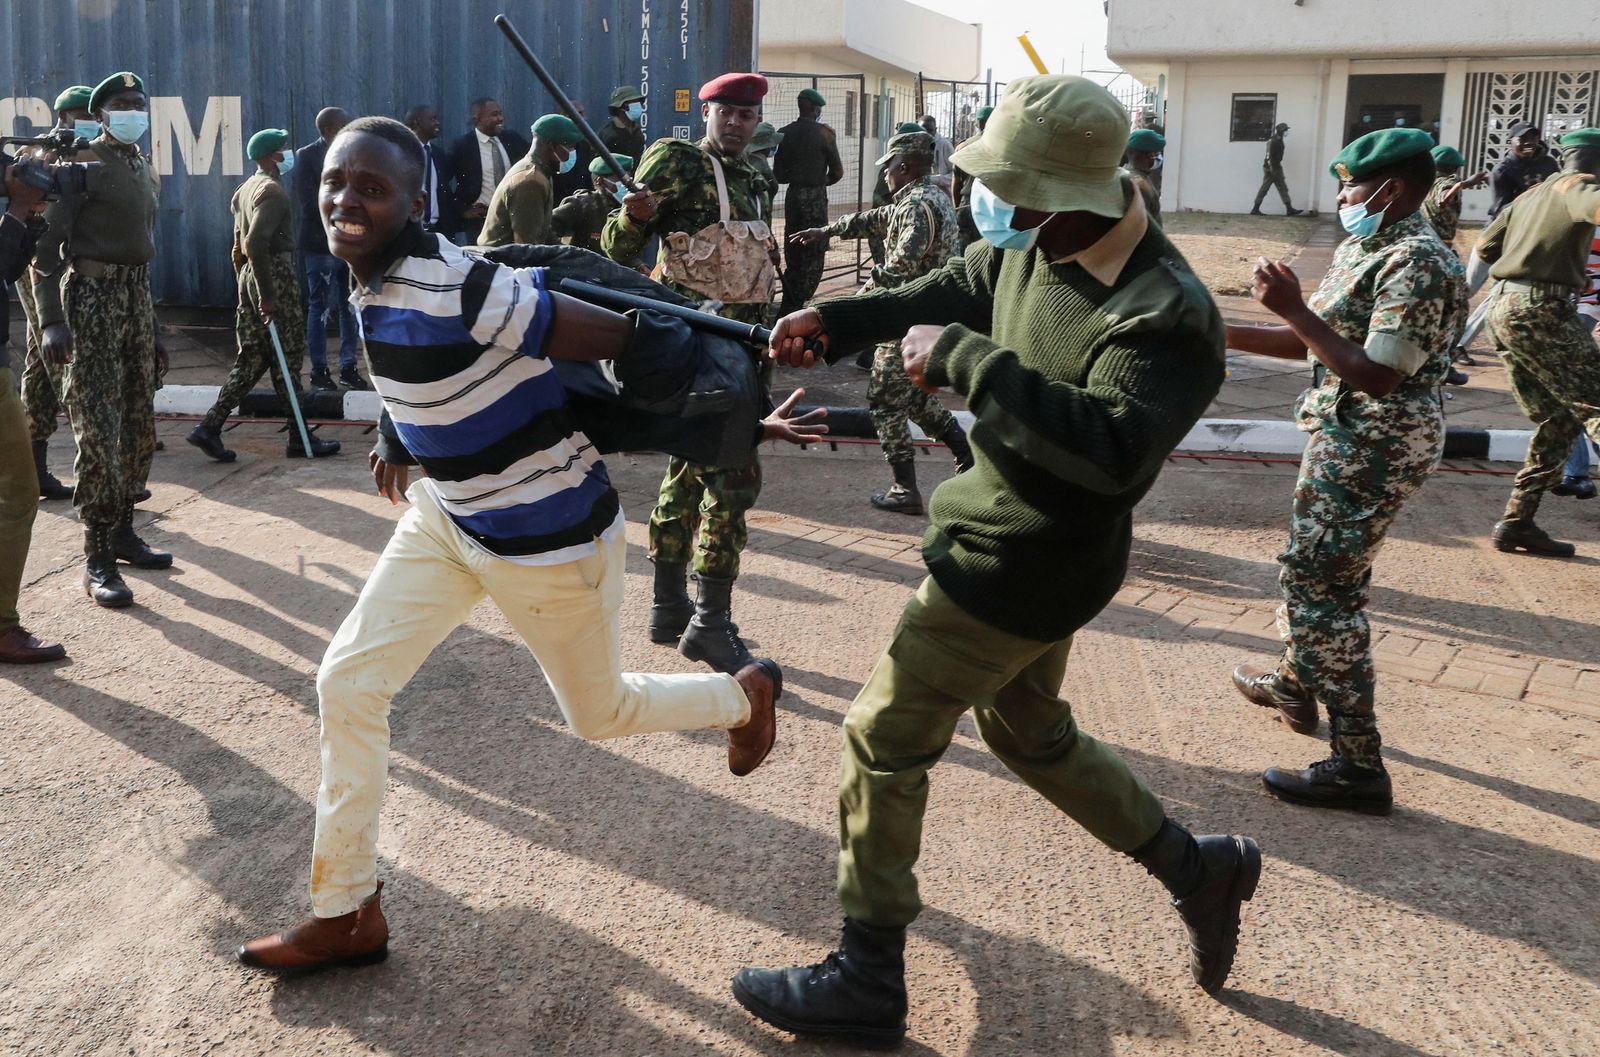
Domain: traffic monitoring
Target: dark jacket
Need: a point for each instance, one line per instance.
(466, 167)
(304, 180)
(16, 250)
(444, 174)
(677, 391)
(808, 155)
(1515, 175)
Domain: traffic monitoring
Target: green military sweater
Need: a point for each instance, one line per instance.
(113, 222)
(1079, 390)
(1545, 235)
(262, 227)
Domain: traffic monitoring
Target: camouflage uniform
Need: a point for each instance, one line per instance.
(582, 217)
(1399, 294)
(104, 239)
(263, 238)
(1445, 216)
(921, 233)
(42, 390)
(708, 501)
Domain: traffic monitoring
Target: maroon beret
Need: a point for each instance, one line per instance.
(735, 89)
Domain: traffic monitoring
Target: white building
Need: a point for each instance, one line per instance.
(1227, 70)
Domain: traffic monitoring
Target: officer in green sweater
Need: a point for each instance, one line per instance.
(1086, 349)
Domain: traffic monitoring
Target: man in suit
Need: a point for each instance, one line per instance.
(480, 159)
(436, 205)
(325, 279)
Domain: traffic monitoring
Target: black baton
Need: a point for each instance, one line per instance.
(748, 333)
(561, 99)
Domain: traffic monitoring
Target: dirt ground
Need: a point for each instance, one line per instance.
(552, 896)
(1222, 247)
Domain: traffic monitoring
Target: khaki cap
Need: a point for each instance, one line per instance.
(1054, 143)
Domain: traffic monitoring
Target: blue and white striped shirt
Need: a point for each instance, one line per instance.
(456, 348)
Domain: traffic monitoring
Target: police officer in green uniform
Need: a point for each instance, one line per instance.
(1379, 328)
(1087, 349)
(96, 315)
(1144, 151)
(519, 211)
(686, 190)
(808, 163)
(269, 291)
(1272, 173)
(42, 395)
(623, 134)
(920, 234)
(582, 216)
(1538, 248)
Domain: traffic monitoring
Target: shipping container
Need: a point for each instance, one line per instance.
(218, 70)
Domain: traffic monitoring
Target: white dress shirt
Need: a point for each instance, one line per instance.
(485, 145)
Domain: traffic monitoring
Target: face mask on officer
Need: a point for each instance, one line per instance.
(569, 161)
(84, 128)
(285, 163)
(127, 126)
(1358, 220)
(992, 216)
(635, 111)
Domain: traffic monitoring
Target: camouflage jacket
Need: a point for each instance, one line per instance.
(582, 217)
(918, 229)
(1402, 296)
(1444, 216)
(680, 175)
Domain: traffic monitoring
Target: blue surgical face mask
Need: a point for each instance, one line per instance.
(619, 192)
(569, 161)
(993, 217)
(286, 163)
(635, 111)
(1361, 222)
(85, 129)
(127, 126)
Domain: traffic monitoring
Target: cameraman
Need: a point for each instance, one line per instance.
(96, 313)
(19, 488)
(42, 381)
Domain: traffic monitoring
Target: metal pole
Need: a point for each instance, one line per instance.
(289, 383)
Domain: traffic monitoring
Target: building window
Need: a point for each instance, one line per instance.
(1253, 117)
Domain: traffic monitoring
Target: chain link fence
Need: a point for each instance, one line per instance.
(953, 105)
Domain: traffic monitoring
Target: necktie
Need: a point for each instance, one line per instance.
(497, 155)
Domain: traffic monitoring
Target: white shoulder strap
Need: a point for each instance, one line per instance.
(722, 187)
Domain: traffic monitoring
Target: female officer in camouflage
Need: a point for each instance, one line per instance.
(269, 290)
(1380, 328)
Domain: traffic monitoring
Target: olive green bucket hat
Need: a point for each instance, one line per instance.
(1054, 143)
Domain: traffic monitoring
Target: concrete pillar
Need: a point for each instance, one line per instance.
(1172, 179)
(1453, 107)
(1330, 133)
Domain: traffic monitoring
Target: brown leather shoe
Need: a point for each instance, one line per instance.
(19, 646)
(748, 745)
(1298, 708)
(360, 937)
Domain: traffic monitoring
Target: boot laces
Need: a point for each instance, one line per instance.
(829, 966)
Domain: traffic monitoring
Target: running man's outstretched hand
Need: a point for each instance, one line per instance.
(801, 429)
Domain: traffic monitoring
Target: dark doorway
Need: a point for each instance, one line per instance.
(1384, 100)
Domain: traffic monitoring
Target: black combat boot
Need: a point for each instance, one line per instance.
(902, 497)
(1210, 879)
(711, 636)
(101, 580)
(209, 440)
(319, 447)
(670, 610)
(1336, 782)
(1521, 534)
(49, 487)
(955, 438)
(856, 993)
(128, 547)
(1271, 690)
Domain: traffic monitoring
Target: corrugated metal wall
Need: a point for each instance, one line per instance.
(217, 70)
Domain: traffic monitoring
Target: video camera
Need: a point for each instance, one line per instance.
(55, 175)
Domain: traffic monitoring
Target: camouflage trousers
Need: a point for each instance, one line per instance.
(256, 355)
(893, 398)
(707, 502)
(110, 387)
(803, 207)
(1351, 487)
(41, 380)
(1554, 370)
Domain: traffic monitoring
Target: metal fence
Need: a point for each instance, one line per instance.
(953, 105)
(847, 112)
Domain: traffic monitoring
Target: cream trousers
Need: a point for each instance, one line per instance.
(424, 586)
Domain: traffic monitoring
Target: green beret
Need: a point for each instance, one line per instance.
(1582, 137)
(1378, 150)
(907, 126)
(918, 142)
(558, 128)
(265, 142)
(811, 95)
(622, 95)
(600, 167)
(74, 98)
(983, 112)
(1447, 157)
(765, 138)
(117, 82)
(1147, 141)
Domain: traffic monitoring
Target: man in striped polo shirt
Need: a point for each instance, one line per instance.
(515, 506)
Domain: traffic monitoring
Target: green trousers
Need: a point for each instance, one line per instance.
(942, 662)
(19, 498)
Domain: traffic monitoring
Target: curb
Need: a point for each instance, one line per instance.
(1261, 436)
